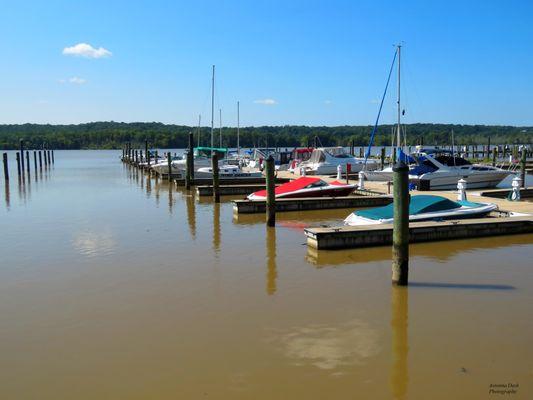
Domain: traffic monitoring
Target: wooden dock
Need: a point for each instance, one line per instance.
(348, 237)
(310, 203)
(229, 181)
(230, 190)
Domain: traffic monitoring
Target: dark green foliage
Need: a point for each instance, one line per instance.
(112, 135)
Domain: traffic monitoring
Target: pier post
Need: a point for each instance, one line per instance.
(45, 159)
(214, 170)
(352, 152)
(400, 235)
(6, 168)
(361, 152)
(189, 173)
(494, 155)
(339, 172)
(22, 154)
(136, 157)
(40, 161)
(146, 152)
(271, 192)
(169, 161)
(35, 160)
(18, 164)
(361, 176)
(52, 151)
(348, 170)
(382, 159)
(28, 162)
(141, 156)
(523, 167)
(48, 154)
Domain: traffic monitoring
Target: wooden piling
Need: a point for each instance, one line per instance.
(271, 192)
(18, 164)
(400, 236)
(52, 152)
(35, 160)
(146, 151)
(348, 170)
(523, 167)
(214, 169)
(40, 161)
(382, 158)
(189, 173)
(28, 162)
(361, 152)
(169, 161)
(22, 154)
(48, 155)
(6, 167)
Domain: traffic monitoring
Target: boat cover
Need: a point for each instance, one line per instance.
(419, 204)
(297, 184)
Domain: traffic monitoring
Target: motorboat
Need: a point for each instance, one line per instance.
(299, 158)
(307, 186)
(227, 172)
(422, 208)
(257, 156)
(202, 158)
(437, 169)
(325, 160)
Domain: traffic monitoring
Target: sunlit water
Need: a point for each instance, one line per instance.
(112, 286)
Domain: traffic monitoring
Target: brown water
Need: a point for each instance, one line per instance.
(114, 287)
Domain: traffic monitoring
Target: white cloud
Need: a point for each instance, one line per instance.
(267, 102)
(87, 51)
(76, 80)
(327, 102)
(374, 101)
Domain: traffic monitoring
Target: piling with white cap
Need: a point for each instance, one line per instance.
(339, 172)
(302, 171)
(361, 183)
(461, 187)
(516, 184)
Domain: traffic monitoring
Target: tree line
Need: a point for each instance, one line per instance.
(113, 135)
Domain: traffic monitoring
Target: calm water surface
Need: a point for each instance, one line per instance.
(112, 286)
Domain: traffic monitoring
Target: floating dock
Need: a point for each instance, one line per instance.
(349, 237)
(230, 190)
(229, 181)
(311, 203)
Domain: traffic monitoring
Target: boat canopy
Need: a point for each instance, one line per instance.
(419, 204)
(305, 182)
(208, 150)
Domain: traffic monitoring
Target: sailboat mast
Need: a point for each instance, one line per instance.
(199, 124)
(220, 127)
(212, 108)
(399, 134)
(238, 131)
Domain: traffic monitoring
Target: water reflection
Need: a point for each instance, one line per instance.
(330, 347)
(7, 196)
(272, 273)
(399, 373)
(216, 228)
(170, 201)
(190, 203)
(91, 243)
(433, 250)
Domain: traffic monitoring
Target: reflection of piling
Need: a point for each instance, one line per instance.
(18, 164)
(214, 169)
(523, 167)
(271, 192)
(6, 167)
(399, 376)
(191, 214)
(189, 173)
(400, 235)
(216, 227)
(272, 273)
(53, 160)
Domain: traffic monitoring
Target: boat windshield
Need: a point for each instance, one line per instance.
(338, 152)
(317, 157)
(316, 184)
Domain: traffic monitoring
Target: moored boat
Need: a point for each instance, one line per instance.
(422, 208)
(307, 186)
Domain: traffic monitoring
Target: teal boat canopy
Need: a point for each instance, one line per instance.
(208, 150)
(419, 204)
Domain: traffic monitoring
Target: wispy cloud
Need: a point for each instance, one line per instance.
(76, 80)
(327, 102)
(374, 101)
(87, 51)
(267, 102)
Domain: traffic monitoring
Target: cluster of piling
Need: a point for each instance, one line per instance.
(23, 159)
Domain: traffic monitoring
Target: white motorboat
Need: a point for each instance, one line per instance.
(202, 158)
(325, 160)
(435, 169)
(226, 172)
(422, 208)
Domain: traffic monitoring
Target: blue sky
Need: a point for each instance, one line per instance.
(318, 62)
